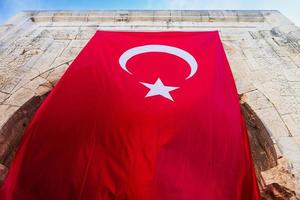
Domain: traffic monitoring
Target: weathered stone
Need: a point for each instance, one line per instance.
(275, 191)
(281, 174)
(263, 150)
(55, 75)
(257, 100)
(86, 33)
(286, 104)
(8, 82)
(13, 128)
(33, 84)
(79, 42)
(292, 121)
(42, 90)
(240, 70)
(262, 47)
(292, 74)
(290, 150)
(20, 97)
(44, 62)
(276, 127)
(64, 33)
(6, 111)
(71, 52)
(60, 61)
(3, 96)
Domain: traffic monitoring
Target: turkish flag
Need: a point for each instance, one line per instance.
(138, 116)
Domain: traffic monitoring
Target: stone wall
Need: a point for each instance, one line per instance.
(263, 48)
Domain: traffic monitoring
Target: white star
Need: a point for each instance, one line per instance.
(158, 88)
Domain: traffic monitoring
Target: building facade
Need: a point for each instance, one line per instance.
(263, 48)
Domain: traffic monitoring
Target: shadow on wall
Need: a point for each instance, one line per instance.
(263, 151)
(264, 156)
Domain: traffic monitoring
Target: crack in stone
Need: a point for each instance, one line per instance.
(269, 100)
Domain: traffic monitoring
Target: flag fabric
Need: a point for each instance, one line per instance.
(138, 116)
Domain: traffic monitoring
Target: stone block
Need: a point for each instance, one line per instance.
(56, 74)
(5, 112)
(241, 73)
(249, 16)
(3, 96)
(292, 121)
(79, 42)
(35, 83)
(69, 18)
(273, 122)
(61, 60)
(190, 15)
(71, 52)
(292, 74)
(257, 100)
(42, 90)
(162, 16)
(216, 16)
(19, 97)
(286, 104)
(44, 62)
(8, 82)
(290, 150)
(86, 33)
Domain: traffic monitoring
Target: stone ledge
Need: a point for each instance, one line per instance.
(159, 15)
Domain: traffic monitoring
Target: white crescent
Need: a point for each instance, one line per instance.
(162, 49)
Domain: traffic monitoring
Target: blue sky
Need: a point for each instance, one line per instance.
(290, 8)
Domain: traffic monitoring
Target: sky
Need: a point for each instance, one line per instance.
(290, 8)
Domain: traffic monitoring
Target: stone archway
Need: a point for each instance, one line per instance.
(12, 131)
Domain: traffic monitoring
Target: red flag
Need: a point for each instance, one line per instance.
(138, 116)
